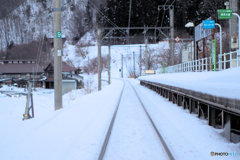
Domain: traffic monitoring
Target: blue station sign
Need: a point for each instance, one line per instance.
(209, 24)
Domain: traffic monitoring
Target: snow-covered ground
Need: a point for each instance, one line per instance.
(223, 83)
(188, 137)
(70, 53)
(133, 136)
(77, 131)
(74, 132)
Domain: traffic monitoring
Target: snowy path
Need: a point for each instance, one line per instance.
(187, 136)
(133, 136)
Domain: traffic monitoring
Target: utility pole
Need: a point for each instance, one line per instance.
(227, 4)
(99, 59)
(146, 54)
(88, 65)
(233, 24)
(129, 20)
(172, 44)
(134, 69)
(140, 61)
(220, 29)
(57, 54)
(109, 64)
(122, 66)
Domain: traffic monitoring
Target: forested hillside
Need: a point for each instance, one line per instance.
(23, 21)
(152, 13)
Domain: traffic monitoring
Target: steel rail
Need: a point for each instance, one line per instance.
(107, 137)
(154, 126)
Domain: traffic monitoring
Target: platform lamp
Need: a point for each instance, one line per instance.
(191, 25)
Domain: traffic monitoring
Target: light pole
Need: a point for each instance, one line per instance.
(220, 27)
(191, 25)
(238, 52)
(99, 59)
(134, 69)
(235, 14)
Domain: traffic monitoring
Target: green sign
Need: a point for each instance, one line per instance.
(163, 66)
(225, 14)
(213, 55)
(59, 34)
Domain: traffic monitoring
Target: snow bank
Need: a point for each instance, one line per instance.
(74, 132)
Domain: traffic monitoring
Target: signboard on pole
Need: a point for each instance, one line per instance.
(163, 66)
(177, 39)
(213, 55)
(208, 24)
(201, 33)
(150, 72)
(59, 34)
(225, 14)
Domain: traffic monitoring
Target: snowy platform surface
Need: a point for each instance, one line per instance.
(222, 84)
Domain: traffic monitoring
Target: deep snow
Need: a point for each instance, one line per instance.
(78, 130)
(74, 132)
(223, 83)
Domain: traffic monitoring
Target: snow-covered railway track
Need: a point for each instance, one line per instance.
(133, 130)
(154, 126)
(105, 143)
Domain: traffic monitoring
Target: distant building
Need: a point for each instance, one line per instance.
(67, 73)
(71, 80)
(26, 62)
(20, 72)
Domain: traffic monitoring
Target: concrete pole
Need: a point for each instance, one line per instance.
(172, 44)
(146, 55)
(140, 61)
(227, 4)
(109, 64)
(134, 69)
(233, 22)
(88, 65)
(57, 55)
(204, 46)
(129, 20)
(122, 66)
(99, 60)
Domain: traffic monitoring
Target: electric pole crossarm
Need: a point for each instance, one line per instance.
(134, 28)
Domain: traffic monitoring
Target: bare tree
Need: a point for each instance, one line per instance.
(77, 26)
(6, 30)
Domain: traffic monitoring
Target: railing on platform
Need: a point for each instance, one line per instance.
(223, 61)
